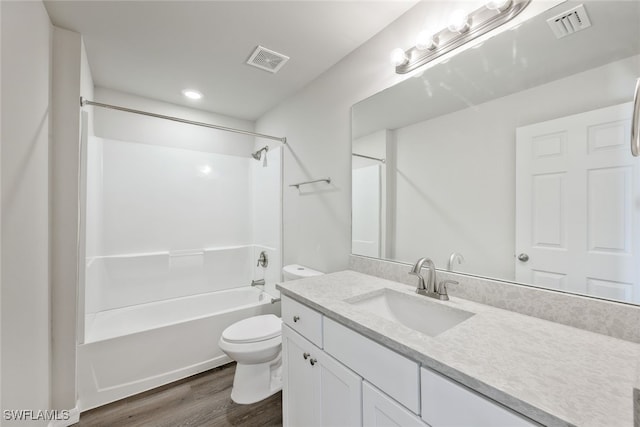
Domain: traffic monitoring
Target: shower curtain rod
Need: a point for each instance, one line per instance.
(368, 157)
(84, 102)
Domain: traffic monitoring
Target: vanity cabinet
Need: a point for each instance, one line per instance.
(343, 378)
(317, 390)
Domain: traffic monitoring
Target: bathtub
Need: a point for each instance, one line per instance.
(134, 349)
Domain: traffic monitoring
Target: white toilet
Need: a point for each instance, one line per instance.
(256, 345)
(297, 271)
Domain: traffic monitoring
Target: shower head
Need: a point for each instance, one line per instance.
(258, 154)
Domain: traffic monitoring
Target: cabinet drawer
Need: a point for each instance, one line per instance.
(302, 319)
(379, 410)
(443, 398)
(392, 373)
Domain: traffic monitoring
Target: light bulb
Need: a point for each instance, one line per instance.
(192, 94)
(398, 57)
(499, 5)
(426, 41)
(204, 171)
(459, 21)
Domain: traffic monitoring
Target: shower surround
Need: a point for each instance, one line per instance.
(172, 241)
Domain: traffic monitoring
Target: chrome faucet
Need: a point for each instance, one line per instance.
(455, 256)
(259, 282)
(430, 288)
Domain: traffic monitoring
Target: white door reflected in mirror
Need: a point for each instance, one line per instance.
(575, 205)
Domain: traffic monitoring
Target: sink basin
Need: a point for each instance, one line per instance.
(413, 311)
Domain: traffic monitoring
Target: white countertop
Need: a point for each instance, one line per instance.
(554, 374)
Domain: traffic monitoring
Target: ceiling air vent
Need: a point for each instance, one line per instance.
(267, 59)
(570, 22)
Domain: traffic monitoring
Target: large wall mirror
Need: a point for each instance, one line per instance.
(511, 160)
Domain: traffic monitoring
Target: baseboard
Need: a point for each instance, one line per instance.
(74, 417)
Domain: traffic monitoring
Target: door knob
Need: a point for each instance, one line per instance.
(523, 257)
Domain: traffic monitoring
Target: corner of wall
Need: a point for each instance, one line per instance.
(64, 201)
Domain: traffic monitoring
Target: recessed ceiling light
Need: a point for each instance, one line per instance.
(192, 94)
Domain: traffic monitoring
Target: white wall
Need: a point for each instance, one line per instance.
(164, 199)
(26, 66)
(130, 127)
(456, 173)
(317, 124)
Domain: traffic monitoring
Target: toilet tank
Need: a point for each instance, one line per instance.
(297, 271)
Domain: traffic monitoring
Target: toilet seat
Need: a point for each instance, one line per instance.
(253, 329)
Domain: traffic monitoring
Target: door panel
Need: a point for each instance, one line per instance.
(340, 393)
(578, 205)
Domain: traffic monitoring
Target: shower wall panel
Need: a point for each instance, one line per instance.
(165, 222)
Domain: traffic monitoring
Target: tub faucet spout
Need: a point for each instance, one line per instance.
(259, 282)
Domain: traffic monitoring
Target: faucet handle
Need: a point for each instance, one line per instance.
(442, 289)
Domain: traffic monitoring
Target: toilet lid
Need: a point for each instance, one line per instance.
(253, 329)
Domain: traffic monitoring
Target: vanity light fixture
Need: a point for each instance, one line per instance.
(462, 28)
(425, 40)
(459, 22)
(192, 94)
(499, 5)
(398, 57)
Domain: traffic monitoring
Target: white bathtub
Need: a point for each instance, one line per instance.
(133, 349)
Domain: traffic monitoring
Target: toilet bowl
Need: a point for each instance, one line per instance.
(255, 344)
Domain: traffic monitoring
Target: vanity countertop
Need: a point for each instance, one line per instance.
(554, 374)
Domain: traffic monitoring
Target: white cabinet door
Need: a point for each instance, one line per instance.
(379, 410)
(340, 393)
(317, 390)
(577, 188)
(299, 401)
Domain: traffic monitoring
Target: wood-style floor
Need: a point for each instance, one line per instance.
(200, 400)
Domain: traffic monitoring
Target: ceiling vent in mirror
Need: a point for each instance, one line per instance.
(570, 22)
(267, 60)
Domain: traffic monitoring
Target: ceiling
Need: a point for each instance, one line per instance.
(155, 49)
